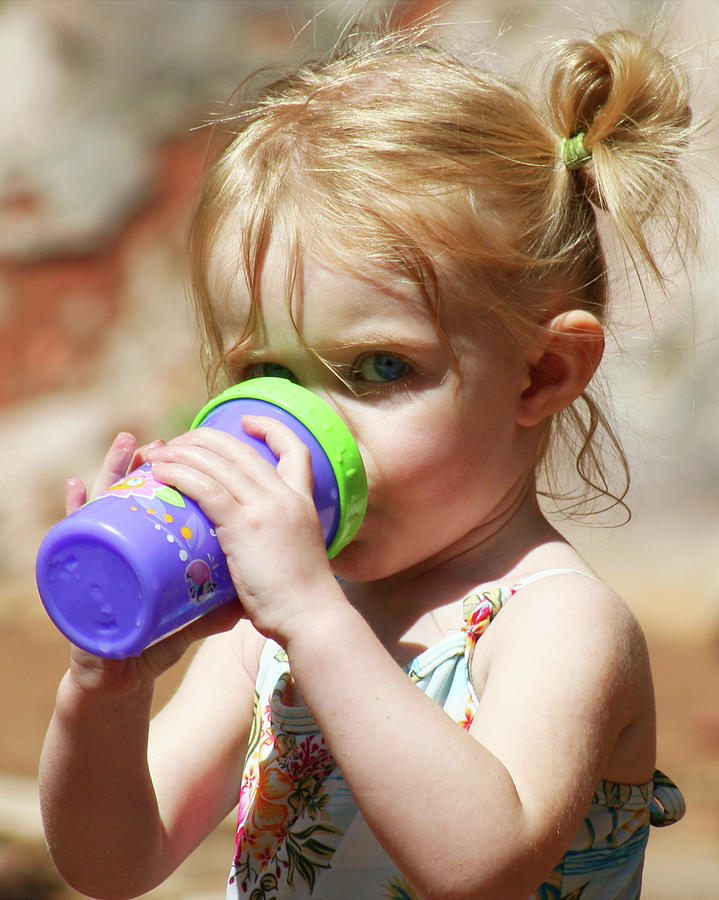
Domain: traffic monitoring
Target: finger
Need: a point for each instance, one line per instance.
(225, 445)
(294, 461)
(221, 456)
(222, 618)
(116, 462)
(165, 653)
(141, 455)
(75, 495)
(207, 488)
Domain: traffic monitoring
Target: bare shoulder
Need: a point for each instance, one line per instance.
(570, 648)
(573, 610)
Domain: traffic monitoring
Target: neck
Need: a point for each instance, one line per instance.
(495, 550)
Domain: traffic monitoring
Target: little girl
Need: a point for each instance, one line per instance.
(456, 706)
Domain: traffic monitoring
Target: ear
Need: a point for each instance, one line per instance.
(568, 356)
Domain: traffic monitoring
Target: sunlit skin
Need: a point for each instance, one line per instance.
(448, 423)
(447, 463)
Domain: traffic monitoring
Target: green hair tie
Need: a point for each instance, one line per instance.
(574, 153)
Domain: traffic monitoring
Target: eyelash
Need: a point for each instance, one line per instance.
(380, 383)
(349, 374)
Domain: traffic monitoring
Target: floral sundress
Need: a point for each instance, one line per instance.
(300, 834)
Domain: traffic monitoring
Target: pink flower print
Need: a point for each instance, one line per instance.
(283, 822)
(310, 757)
(136, 484)
(247, 791)
(479, 621)
(267, 737)
(466, 722)
(140, 483)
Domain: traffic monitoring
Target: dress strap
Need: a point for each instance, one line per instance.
(548, 573)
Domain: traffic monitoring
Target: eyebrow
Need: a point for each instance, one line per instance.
(359, 339)
(368, 341)
(362, 338)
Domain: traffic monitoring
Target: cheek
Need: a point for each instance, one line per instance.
(446, 459)
(406, 465)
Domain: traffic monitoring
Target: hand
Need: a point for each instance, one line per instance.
(123, 456)
(264, 516)
(115, 466)
(115, 676)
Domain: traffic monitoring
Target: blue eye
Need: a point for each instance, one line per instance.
(271, 370)
(381, 367)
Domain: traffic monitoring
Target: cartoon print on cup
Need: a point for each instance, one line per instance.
(200, 586)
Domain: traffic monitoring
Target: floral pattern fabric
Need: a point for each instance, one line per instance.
(300, 834)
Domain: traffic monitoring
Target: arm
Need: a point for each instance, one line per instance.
(113, 820)
(115, 789)
(500, 805)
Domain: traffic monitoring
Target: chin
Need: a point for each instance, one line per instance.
(353, 564)
(359, 562)
(364, 561)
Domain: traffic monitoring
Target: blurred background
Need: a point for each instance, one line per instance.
(102, 108)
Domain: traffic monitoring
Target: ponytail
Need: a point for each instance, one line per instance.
(631, 104)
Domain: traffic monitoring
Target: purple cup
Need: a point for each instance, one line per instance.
(142, 559)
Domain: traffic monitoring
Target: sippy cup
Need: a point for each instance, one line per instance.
(141, 560)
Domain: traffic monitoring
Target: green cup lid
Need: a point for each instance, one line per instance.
(329, 431)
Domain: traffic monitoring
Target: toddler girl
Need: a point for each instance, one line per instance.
(456, 706)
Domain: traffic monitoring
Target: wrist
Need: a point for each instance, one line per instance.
(108, 686)
(91, 719)
(321, 623)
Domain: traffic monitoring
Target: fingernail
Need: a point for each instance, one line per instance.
(124, 439)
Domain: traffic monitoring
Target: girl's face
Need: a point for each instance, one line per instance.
(436, 425)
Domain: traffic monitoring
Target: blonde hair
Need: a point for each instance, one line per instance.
(393, 153)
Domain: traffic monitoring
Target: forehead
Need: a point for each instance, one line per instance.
(321, 294)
